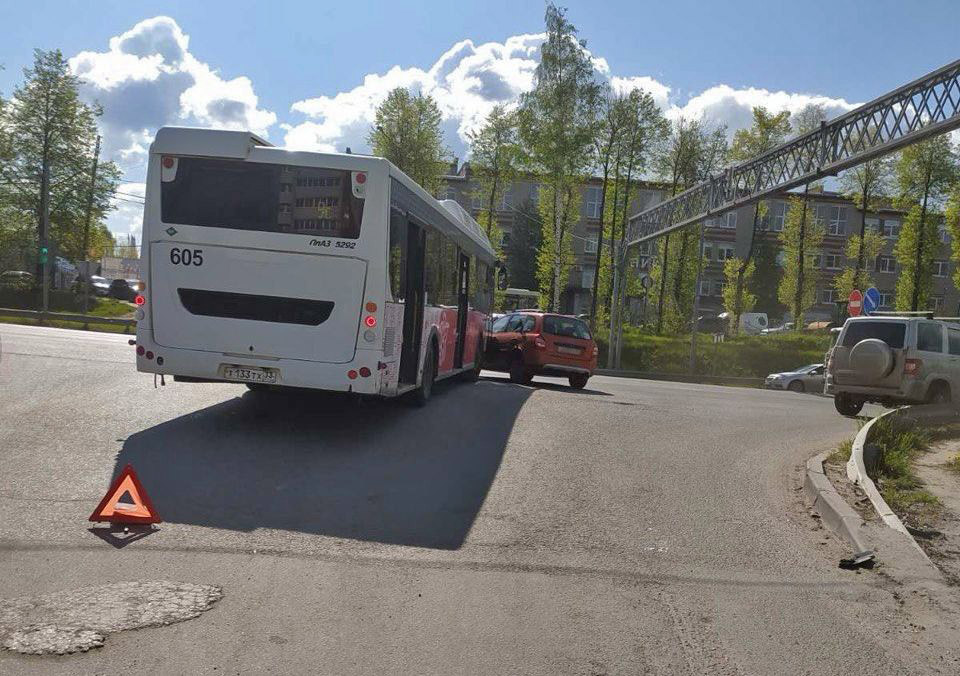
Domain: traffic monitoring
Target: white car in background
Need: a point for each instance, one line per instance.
(804, 379)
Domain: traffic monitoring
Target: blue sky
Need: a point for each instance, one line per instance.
(308, 74)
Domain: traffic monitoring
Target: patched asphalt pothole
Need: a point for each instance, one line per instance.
(80, 619)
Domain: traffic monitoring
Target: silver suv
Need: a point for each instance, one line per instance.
(894, 360)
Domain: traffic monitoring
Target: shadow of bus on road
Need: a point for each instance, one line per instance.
(320, 463)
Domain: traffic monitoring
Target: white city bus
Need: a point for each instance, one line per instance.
(300, 269)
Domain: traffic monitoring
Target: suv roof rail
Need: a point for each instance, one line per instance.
(948, 319)
(927, 314)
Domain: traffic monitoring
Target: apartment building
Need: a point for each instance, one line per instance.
(576, 297)
(729, 235)
(724, 237)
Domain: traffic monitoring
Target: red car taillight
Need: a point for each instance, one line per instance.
(911, 367)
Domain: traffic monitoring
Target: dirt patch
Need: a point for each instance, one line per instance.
(937, 528)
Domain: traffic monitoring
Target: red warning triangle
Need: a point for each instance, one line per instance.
(138, 510)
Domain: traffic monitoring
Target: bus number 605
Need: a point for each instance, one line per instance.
(186, 256)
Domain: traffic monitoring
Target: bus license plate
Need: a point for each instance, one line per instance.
(250, 375)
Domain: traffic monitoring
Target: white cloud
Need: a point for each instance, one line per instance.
(467, 81)
(725, 105)
(148, 78)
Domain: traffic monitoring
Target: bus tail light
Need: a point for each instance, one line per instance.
(370, 307)
(364, 371)
(149, 354)
(139, 299)
(911, 367)
(140, 350)
(370, 321)
(351, 374)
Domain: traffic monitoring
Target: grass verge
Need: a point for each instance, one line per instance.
(894, 476)
(841, 454)
(106, 328)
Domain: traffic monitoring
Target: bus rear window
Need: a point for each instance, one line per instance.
(891, 333)
(242, 195)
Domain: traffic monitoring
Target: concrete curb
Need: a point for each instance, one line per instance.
(834, 511)
(863, 453)
(680, 377)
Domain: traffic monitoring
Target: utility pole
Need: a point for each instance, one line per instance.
(45, 234)
(696, 304)
(86, 226)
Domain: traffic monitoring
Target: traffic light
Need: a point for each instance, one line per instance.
(44, 253)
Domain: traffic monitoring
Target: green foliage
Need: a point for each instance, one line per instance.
(737, 276)
(557, 129)
(406, 131)
(494, 159)
(767, 132)
(841, 454)
(952, 217)
(681, 277)
(742, 356)
(918, 235)
(555, 256)
(953, 464)
(45, 124)
(899, 446)
(801, 238)
(854, 276)
(766, 279)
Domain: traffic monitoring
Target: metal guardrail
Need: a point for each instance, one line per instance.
(67, 317)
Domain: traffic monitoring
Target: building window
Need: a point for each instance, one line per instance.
(827, 295)
(586, 281)
(937, 301)
(886, 264)
(832, 261)
(890, 228)
(832, 217)
(504, 240)
(506, 199)
(590, 245)
(284, 208)
(816, 260)
(704, 287)
(725, 252)
(781, 258)
(286, 187)
(940, 268)
(886, 299)
(943, 234)
(727, 221)
(318, 181)
(718, 287)
(593, 201)
(774, 218)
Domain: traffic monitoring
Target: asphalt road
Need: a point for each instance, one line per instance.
(634, 527)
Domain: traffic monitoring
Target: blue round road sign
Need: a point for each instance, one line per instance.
(871, 300)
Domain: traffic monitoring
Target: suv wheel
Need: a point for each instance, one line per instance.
(847, 405)
(579, 381)
(518, 371)
(939, 393)
(796, 386)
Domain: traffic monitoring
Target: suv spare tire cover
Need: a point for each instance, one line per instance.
(871, 359)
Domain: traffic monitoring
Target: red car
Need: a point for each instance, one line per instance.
(528, 343)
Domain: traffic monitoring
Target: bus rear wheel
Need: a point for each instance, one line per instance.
(423, 393)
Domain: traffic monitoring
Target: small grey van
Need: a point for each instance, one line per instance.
(894, 360)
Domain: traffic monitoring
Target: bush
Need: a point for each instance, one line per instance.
(746, 356)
